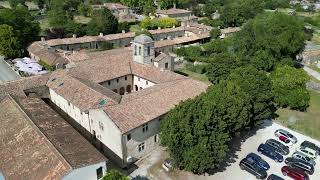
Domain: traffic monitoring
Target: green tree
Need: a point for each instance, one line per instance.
(25, 28)
(114, 175)
(9, 43)
(57, 17)
(289, 87)
(280, 35)
(200, 128)
(274, 4)
(15, 3)
(85, 9)
(215, 33)
(221, 66)
(102, 21)
(257, 85)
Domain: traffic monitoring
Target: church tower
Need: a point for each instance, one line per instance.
(143, 49)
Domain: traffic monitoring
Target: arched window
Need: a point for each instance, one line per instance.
(122, 91)
(139, 50)
(136, 87)
(115, 90)
(141, 88)
(135, 49)
(149, 51)
(129, 88)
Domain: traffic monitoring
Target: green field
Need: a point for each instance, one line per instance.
(308, 122)
(194, 75)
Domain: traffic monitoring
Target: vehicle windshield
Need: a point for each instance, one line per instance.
(290, 135)
(307, 158)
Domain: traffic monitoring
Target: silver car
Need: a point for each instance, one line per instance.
(282, 132)
(303, 157)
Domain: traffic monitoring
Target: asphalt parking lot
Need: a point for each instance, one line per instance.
(233, 172)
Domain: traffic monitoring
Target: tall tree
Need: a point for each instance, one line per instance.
(277, 34)
(102, 22)
(221, 66)
(114, 175)
(257, 85)
(200, 129)
(289, 87)
(9, 43)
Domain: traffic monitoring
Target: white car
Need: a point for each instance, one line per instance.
(308, 152)
(282, 132)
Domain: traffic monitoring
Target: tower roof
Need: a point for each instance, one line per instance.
(143, 39)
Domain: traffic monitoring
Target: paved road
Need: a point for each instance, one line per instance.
(6, 73)
(312, 72)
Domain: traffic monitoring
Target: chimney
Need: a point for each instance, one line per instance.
(123, 31)
(43, 39)
(74, 35)
(101, 34)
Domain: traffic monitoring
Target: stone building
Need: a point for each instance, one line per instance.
(178, 14)
(37, 144)
(118, 97)
(55, 52)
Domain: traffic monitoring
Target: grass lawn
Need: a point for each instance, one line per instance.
(307, 122)
(82, 19)
(194, 75)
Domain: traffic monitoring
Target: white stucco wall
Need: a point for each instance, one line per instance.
(110, 135)
(117, 83)
(86, 173)
(141, 83)
(74, 112)
(138, 137)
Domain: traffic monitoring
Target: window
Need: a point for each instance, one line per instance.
(101, 126)
(125, 78)
(155, 138)
(122, 91)
(140, 88)
(136, 87)
(117, 80)
(115, 90)
(166, 65)
(138, 78)
(135, 49)
(146, 82)
(99, 173)
(128, 137)
(139, 50)
(145, 127)
(141, 147)
(109, 83)
(149, 50)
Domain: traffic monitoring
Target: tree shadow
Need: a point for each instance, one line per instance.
(139, 177)
(235, 146)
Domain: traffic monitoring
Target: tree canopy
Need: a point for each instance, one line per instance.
(114, 175)
(271, 37)
(289, 87)
(24, 28)
(9, 44)
(103, 21)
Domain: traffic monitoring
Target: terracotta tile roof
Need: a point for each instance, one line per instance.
(48, 56)
(311, 53)
(79, 93)
(115, 6)
(180, 40)
(75, 149)
(77, 40)
(24, 150)
(138, 108)
(173, 11)
(230, 30)
(161, 57)
(17, 87)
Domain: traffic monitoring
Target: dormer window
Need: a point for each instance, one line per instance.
(139, 50)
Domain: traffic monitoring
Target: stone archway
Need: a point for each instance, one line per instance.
(129, 89)
(122, 91)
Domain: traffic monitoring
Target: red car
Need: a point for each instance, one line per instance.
(294, 173)
(284, 139)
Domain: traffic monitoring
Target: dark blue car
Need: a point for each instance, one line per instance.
(261, 163)
(270, 152)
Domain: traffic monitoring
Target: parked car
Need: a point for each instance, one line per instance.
(294, 173)
(310, 145)
(261, 163)
(252, 167)
(285, 141)
(167, 165)
(303, 157)
(274, 177)
(308, 152)
(285, 133)
(297, 163)
(270, 152)
(278, 146)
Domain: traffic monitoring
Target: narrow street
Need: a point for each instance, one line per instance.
(6, 73)
(311, 72)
